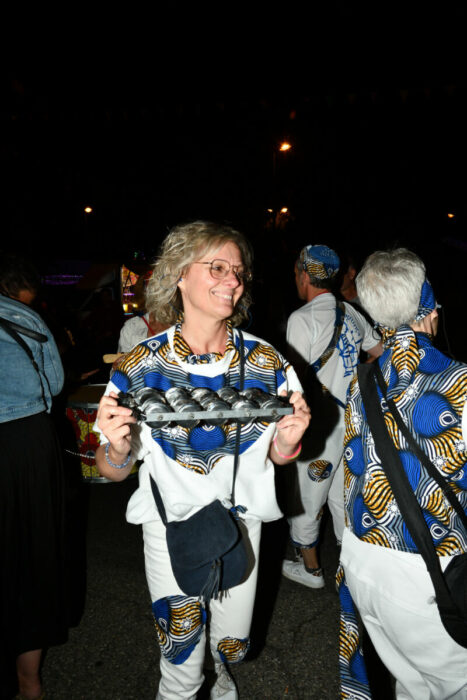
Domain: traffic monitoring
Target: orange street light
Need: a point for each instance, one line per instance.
(285, 146)
(87, 210)
(450, 215)
(284, 210)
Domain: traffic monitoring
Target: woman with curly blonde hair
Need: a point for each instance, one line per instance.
(200, 285)
(182, 247)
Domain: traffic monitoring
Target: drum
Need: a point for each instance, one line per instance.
(82, 412)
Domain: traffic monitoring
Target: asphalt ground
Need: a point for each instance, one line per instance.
(112, 654)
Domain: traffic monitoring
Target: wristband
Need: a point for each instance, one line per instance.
(292, 456)
(116, 466)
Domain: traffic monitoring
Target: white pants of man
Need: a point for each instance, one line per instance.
(182, 631)
(395, 597)
(304, 528)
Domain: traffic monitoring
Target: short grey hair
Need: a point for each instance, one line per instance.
(389, 286)
(183, 246)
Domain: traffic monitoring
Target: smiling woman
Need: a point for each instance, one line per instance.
(200, 284)
(207, 297)
(187, 244)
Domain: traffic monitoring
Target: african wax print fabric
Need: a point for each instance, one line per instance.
(319, 261)
(185, 353)
(193, 466)
(427, 302)
(429, 390)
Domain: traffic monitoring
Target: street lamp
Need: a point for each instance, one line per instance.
(86, 212)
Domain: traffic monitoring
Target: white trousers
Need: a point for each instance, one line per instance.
(395, 597)
(180, 619)
(304, 528)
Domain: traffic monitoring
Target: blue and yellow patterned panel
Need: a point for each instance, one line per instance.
(153, 363)
(430, 392)
(232, 650)
(179, 625)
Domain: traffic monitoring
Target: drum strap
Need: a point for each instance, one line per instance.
(149, 327)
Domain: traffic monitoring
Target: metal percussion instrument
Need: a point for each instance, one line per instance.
(187, 407)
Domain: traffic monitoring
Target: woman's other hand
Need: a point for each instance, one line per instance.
(290, 430)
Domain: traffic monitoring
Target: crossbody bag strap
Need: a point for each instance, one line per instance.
(241, 351)
(158, 499)
(35, 335)
(400, 485)
(315, 367)
(338, 323)
(12, 328)
(422, 456)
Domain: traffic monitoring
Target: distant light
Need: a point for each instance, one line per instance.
(270, 211)
(61, 279)
(451, 215)
(284, 210)
(285, 146)
(88, 210)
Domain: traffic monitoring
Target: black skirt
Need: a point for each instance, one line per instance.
(33, 609)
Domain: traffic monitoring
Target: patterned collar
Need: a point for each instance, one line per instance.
(407, 353)
(185, 353)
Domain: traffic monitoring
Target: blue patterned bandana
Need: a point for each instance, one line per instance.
(426, 305)
(319, 261)
(427, 302)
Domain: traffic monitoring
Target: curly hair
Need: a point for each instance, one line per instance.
(184, 245)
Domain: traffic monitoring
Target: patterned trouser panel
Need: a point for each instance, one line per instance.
(179, 625)
(319, 470)
(353, 676)
(232, 650)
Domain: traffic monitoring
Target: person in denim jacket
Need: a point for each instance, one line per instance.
(20, 393)
(32, 605)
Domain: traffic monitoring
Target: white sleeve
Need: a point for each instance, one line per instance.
(125, 341)
(292, 383)
(298, 337)
(102, 439)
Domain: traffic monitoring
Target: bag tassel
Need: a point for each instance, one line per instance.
(211, 587)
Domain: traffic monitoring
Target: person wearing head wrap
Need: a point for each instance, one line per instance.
(324, 338)
(382, 572)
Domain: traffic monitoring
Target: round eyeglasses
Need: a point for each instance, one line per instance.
(219, 269)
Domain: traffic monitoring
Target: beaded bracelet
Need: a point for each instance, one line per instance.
(292, 456)
(112, 464)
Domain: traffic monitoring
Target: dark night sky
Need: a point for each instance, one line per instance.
(367, 162)
(372, 163)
